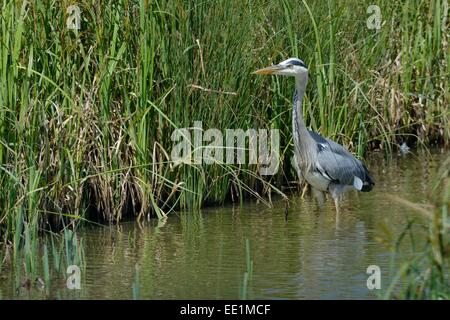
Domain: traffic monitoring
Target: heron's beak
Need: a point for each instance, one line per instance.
(269, 70)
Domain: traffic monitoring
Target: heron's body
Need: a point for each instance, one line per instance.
(324, 164)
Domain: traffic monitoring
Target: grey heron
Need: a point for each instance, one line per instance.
(324, 164)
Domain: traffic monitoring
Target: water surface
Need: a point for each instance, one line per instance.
(311, 254)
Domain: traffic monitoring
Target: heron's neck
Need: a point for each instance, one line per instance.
(304, 143)
(297, 116)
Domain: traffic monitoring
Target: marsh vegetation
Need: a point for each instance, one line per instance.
(86, 115)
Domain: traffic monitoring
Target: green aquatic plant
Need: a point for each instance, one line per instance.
(248, 274)
(136, 284)
(46, 266)
(86, 116)
(39, 262)
(427, 275)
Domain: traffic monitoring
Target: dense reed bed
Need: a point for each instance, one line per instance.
(86, 115)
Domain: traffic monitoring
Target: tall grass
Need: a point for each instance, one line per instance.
(86, 115)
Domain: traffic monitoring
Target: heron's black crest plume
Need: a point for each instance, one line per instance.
(297, 62)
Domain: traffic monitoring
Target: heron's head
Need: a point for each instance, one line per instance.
(289, 67)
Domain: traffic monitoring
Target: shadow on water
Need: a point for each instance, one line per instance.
(253, 251)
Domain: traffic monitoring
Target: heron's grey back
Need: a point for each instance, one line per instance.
(338, 164)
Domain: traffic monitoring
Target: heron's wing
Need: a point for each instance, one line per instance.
(338, 165)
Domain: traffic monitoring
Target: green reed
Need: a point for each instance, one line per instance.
(136, 284)
(248, 274)
(86, 115)
(41, 262)
(427, 276)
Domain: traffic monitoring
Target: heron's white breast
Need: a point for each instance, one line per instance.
(316, 180)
